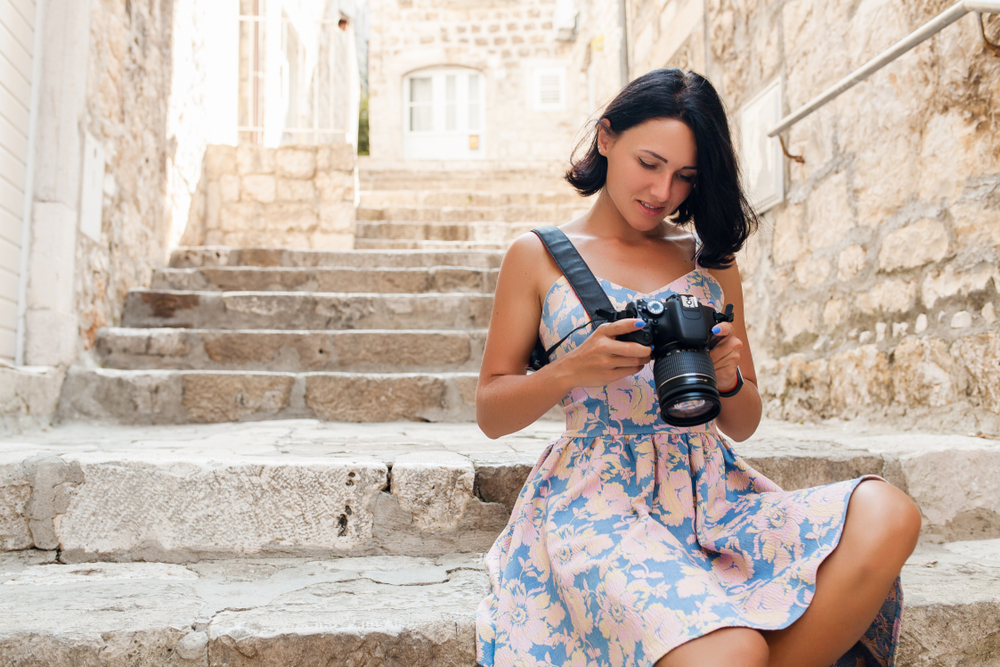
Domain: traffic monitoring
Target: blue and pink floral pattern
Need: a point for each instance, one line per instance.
(631, 537)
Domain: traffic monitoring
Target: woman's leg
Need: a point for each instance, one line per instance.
(729, 647)
(880, 533)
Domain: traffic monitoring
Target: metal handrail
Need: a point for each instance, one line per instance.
(930, 29)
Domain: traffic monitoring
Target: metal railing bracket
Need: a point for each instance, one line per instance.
(995, 48)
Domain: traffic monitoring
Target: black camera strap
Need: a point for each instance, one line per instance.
(580, 278)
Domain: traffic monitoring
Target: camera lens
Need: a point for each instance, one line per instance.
(686, 388)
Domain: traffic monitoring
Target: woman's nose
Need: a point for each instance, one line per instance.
(661, 187)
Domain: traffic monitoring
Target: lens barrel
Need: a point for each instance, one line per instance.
(686, 387)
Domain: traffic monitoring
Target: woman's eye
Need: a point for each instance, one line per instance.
(686, 179)
(646, 166)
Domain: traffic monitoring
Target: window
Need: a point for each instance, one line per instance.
(442, 114)
(421, 104)
(549, 89)
(293, 64)
(473, 102)
(443, 100)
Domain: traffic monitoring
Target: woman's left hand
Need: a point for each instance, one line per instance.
(726, 356)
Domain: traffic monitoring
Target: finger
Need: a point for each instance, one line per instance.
(620, 327)
(726, 353)
(722, 330)
(621, 348)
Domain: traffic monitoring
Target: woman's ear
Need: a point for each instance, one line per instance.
(604, 136)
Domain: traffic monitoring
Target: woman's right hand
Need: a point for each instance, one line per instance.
(601, 359)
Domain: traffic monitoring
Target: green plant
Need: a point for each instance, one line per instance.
(363, 125)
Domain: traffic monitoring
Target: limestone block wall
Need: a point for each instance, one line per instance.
(598, 54)
(872, 290)
(504, 41)
(128, 84)
(293, 196)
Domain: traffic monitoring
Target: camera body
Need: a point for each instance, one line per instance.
(677, 322)
(679, 331)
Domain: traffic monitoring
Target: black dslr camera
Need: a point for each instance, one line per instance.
(679, 329)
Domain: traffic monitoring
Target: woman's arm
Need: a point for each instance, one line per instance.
(508, 399)
(740, 414)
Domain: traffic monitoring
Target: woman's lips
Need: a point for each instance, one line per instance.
(650, 210)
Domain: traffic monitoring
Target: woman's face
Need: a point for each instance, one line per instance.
(651, 169)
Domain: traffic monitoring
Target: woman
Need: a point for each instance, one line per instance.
(638, 543)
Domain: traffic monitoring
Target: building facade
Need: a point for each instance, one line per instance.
(477, 80)
(107, 111)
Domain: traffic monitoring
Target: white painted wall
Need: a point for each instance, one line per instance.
(51, 328)
(17, 18)
(203, 97)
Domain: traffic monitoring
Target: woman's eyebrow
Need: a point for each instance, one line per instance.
(661, 158)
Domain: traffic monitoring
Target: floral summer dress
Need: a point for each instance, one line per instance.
(632, 537)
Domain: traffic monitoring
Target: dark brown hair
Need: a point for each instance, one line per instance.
(722, 215)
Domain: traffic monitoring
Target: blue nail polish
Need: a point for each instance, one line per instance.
(640, 324)
(716, 330)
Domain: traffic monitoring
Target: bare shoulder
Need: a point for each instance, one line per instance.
(729, 279)
(528, 262)
(681, 239)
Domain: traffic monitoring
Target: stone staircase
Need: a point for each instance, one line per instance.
(480, 206)
(231, 335)
(275, 466)
(299, 542)
(393, 330)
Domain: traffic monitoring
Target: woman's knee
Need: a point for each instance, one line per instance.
(887, 516)
(729, 647)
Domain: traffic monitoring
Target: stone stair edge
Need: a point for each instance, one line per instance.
(295, 351)
(217, 256)
(345, 280)
(411, 244)
(163, 396)
(357, 269)
(302, 295)
(391, 608)
(137, 331)
(940, 477)
(282, 309)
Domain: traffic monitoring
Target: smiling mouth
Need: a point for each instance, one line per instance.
(651, 209)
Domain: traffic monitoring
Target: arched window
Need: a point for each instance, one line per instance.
(443, 114)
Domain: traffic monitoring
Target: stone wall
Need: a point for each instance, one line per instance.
(504, 41)
(872, 290)
(128, 86)
(294, 196)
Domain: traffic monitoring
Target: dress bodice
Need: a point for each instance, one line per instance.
(630, 404)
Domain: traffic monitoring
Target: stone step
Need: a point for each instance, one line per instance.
(468, 182)
(417, 244)
(378, 612)
(204, 396)
(291, 351)
(455, 198)
(146, 308)
(381, 611)
(488, 232)
(475, 179)
(304, 488)
(324, 279)
(214, 256)
(536, 215)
